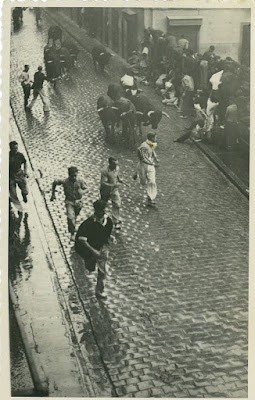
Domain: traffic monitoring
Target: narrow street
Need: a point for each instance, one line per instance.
(175, 322)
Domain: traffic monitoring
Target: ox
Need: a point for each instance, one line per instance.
(127, 114)
(146, 112)
(101, 57)
(107, 114)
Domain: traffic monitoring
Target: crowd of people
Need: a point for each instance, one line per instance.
(215, 92)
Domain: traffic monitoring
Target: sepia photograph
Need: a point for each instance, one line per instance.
(127, 136)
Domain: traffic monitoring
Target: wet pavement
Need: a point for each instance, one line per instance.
(21, 381)
(46, 338)
(175, 321)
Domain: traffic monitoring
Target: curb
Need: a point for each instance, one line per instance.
(37, 374)
(52, 239)
(223, 168)
(207, 152)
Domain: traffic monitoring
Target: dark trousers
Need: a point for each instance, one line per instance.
(26, 90)
(90, 264)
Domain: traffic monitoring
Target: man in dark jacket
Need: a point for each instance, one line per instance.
(38, 90)
(91, 243)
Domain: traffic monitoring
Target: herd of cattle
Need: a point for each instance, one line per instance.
(124, 105)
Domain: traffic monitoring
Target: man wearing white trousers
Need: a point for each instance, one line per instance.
(146, 168)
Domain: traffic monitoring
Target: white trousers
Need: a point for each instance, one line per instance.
(147, 176)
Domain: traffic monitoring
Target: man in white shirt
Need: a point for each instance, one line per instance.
(25, 83)
(146, 168)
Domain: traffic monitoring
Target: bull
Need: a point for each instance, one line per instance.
(114, 91)
(146, 112)
(126, 112)
(107, 114)
(101, 57)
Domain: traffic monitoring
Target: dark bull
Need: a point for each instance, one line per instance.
(101, 57)
(146, 112)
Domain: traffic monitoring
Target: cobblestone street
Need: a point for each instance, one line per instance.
(175, 323)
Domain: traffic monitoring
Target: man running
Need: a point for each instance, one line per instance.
(17, 175)
(109, 189)
(146, 168)
(74, 189)
(91, 243)
(38, 90)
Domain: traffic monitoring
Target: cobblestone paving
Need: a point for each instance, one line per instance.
(175, 321)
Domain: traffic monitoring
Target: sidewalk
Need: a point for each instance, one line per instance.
(38, 301)
(234, 165)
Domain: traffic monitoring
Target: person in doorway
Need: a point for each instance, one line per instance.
(25, 83)
(74, 190)
(146, 168)
(91, 243)
(38, 90)
(17, 176)
(109, 189)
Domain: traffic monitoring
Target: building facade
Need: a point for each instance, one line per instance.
(122, 28)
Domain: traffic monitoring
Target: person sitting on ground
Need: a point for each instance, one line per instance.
(195, 130)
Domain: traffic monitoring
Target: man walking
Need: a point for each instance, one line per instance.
(74, 189)
(17, 175)
(146, 167)
(25, 83)
(109, 189)
(38, 90)
(91, 243)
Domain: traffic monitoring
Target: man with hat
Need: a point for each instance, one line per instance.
(91, 243)
(146, 167)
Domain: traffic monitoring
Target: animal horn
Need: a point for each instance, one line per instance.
(139, 112)
(115, 108)
(150, 113)
(165, 114)
(100, 109)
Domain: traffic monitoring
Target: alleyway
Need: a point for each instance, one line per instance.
(175, 321)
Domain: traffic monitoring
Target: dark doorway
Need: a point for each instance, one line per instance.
(190, 33)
